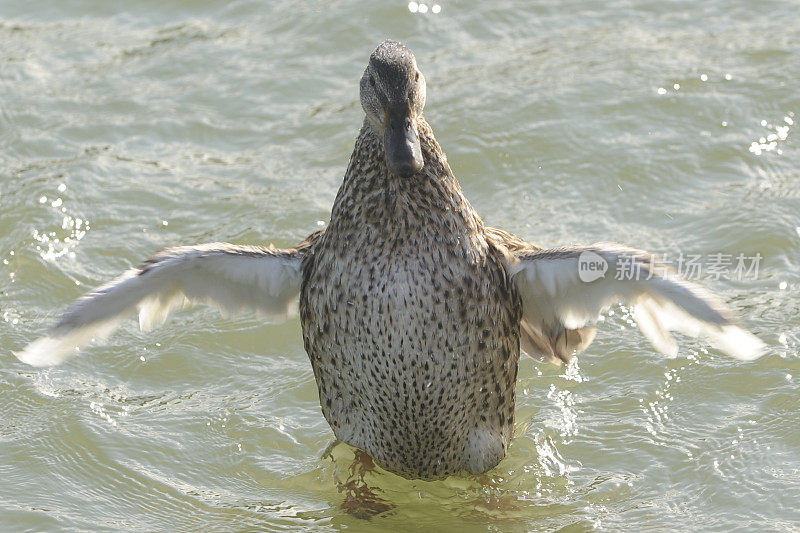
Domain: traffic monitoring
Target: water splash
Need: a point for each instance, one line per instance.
(61, 242)
(422, 8)
(777, 134)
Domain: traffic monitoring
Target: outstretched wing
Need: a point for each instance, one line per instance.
(564, 290)
(234, 278)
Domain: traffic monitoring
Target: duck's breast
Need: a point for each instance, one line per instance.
(415, 351)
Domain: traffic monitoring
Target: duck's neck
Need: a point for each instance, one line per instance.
(371, 196)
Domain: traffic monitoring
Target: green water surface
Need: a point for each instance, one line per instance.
(129, 126)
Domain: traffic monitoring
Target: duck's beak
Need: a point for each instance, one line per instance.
(401, 141)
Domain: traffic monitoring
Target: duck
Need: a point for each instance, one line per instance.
(414, 313)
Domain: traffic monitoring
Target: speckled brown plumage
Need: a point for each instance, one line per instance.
(410, 320)
(413, 312)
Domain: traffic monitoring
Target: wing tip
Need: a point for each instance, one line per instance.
(63, 343)
(740, 343)
(44, 352)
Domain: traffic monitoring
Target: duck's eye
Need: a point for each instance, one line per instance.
(416, 76)
(372, 81)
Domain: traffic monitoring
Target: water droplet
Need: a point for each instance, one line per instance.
(413, 7)
(703, 77)
(436, 8)
(677, 86)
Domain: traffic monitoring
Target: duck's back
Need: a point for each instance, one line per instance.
(412, 326)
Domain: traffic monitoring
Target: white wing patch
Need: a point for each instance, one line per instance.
(233, 278)
(556, 301)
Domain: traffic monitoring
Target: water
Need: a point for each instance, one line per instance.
(126, 127)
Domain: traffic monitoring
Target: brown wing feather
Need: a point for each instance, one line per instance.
(548, 346)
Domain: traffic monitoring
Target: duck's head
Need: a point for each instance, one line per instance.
(393, 95)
